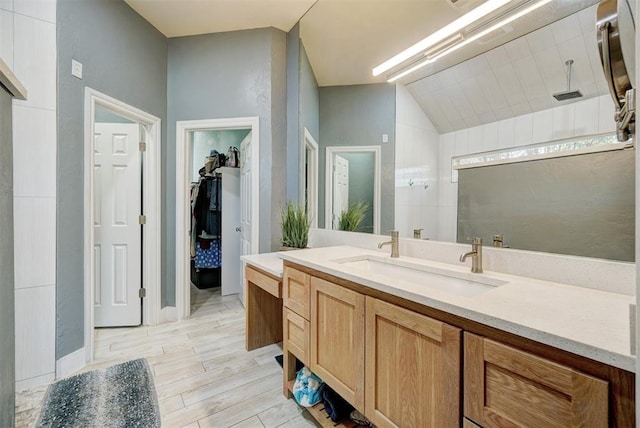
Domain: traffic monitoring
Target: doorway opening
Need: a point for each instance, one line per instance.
(122, 216)
(352, 177)
(209, 242)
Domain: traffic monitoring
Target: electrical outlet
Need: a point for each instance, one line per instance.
(76, 69)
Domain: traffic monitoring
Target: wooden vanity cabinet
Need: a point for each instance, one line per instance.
(337, 339)
(295, 291)
(506, 387)
(412, 368)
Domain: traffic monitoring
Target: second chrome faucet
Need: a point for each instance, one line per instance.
(475, 254)
(395, 253)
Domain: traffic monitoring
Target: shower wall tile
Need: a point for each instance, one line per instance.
(605, 114)
(6, 37)
(34, 60)
(35, 332)
(34, 146)
(542, 126)
(417, 159)
(583, 117)
(44, 10)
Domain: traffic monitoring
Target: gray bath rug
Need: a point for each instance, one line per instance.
(118, 396)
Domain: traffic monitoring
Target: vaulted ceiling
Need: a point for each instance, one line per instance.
(513, 72)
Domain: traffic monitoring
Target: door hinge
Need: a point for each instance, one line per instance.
(142, 219)
(142, 293)
(143, 146)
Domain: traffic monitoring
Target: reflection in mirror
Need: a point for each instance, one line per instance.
(572, 196)
(310, 179)
(351, 180)
(500, 97)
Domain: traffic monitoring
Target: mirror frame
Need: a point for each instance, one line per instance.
(328, 204)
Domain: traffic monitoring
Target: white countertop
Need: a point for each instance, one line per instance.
(587, 322)
(269, 262)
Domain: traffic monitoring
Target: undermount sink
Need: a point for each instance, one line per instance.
(461, 283)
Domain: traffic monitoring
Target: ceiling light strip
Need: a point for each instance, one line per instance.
(441, 34)
(470, 39)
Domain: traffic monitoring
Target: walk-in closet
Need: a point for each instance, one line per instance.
(215, 209)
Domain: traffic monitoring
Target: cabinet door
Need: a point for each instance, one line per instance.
(295, 291)
(337, 339)
(412, 368)
(505, 387)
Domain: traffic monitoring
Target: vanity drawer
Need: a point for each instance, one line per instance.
(296, 334)
(296, 291)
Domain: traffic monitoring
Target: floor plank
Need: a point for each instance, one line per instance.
(203, 375)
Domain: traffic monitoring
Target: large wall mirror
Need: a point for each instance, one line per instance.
(495, 93)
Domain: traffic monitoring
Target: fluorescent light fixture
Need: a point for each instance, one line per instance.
(441, 34)
(470, 39)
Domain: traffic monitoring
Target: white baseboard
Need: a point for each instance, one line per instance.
(35, 381)
(168, 314)
(71, 363)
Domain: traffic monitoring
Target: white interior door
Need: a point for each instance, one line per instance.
(340, 188)
(117, 233)
(231, 249)
(245, 204)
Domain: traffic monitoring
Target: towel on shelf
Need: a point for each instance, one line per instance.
(307, 388)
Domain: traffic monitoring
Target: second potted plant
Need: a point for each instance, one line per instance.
(295, 226)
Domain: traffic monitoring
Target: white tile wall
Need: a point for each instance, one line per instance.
(417, 160)
(35, 242)
(6, 5)
(34, 60)
(34, 146)
(30, 43)
(587, 117)
(44, 10)
(35, 327)
(6, 37)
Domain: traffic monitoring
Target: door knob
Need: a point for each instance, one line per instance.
(238, 229)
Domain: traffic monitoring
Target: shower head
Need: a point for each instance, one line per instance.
(568, 94)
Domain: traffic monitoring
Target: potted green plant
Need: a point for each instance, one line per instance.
(351, 218)
(295, 226)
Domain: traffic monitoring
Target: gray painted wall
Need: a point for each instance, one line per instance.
(358, 115)
(293, 111)
(7, 318)
(234, 74)
(303, 109)
(582, 205)
(361, 177)
(125, 57)
(309, 109)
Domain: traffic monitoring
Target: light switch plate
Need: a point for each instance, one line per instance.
(76, 69)
(385, 138)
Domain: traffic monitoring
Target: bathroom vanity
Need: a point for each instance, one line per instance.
(411, 342)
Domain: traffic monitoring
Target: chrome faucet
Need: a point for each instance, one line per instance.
(394, 244)
(417, 233)
(498, 240)
(475, 253)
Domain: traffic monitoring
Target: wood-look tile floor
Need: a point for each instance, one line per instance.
(203, 375)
